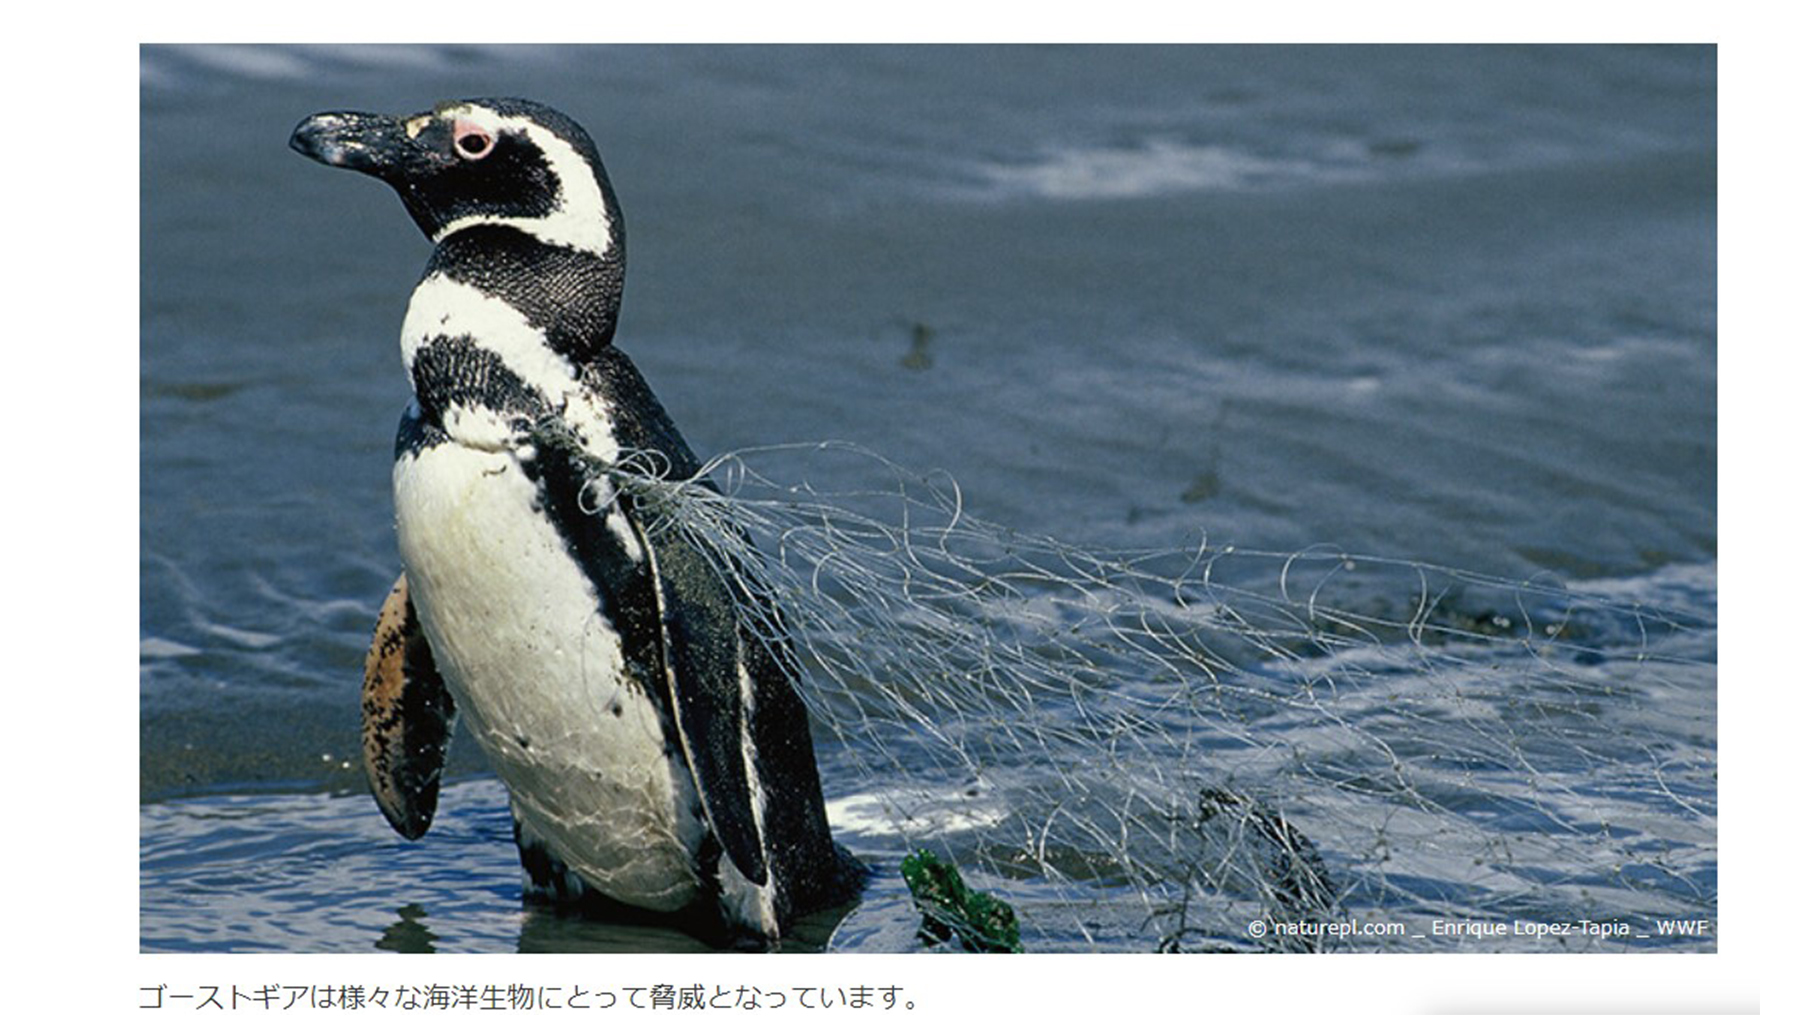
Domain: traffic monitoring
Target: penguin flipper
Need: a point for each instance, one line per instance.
(708, 688)
(407, 717)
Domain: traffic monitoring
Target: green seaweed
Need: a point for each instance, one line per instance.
(981, 922)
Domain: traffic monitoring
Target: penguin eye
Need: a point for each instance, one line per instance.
(472, 142)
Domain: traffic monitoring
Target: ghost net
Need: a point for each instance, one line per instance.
(1213, 748)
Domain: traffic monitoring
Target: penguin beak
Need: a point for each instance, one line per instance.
(375, 144)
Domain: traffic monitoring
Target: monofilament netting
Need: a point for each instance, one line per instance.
(1219, 748)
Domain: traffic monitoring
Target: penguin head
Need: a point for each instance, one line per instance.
(485, 162)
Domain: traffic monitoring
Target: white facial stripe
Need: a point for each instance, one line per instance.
(580, 218)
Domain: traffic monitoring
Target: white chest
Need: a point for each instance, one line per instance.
(539, 676)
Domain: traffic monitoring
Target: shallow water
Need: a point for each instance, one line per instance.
(1448, 305)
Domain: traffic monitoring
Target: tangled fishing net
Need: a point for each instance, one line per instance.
(1216, 748)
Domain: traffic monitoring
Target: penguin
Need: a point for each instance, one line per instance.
(629, 685)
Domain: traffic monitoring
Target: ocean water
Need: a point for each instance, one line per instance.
(1440, 307)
